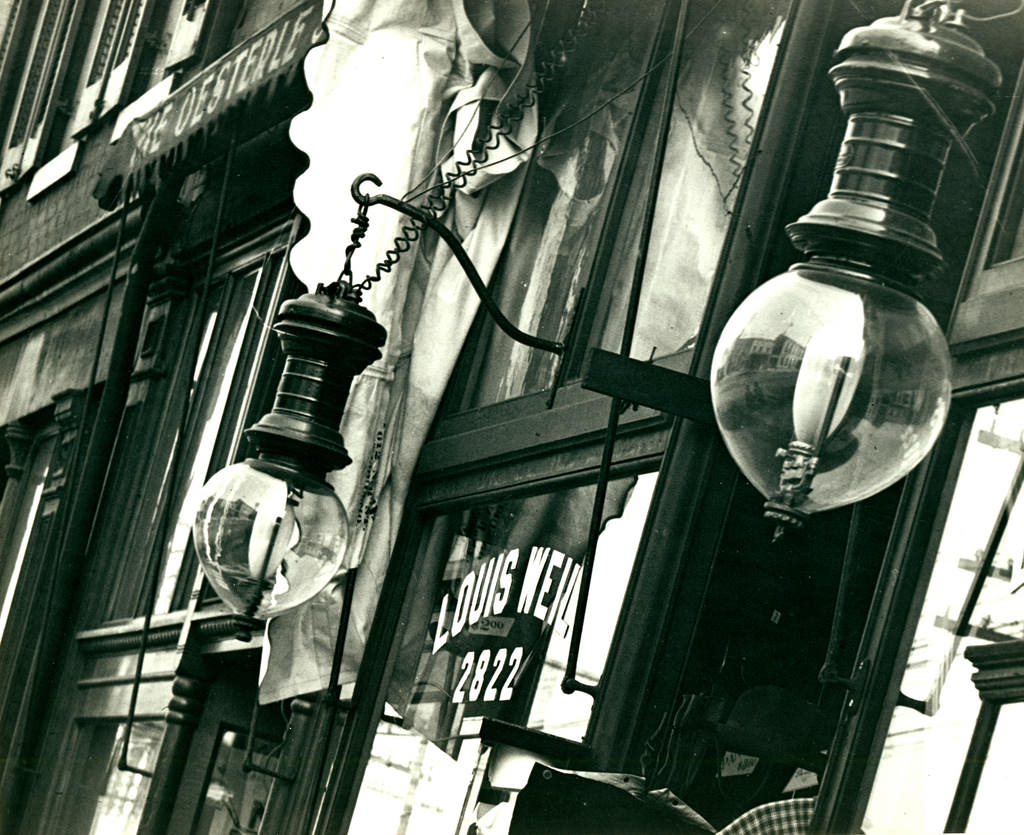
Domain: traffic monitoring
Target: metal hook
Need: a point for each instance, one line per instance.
(357, 194)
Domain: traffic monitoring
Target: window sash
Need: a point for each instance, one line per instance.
(113, 52)
(991, 295)
(42, 68)
(188, 33)
(30, 489)
(561, 275)
(231, 382)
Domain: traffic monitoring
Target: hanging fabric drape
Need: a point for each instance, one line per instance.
(396, 87)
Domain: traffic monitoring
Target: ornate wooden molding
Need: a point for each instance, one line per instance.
(125, 637)
(1000, 671)
(67, 415)
(1000, 680)
(188, 699)
(19, 440)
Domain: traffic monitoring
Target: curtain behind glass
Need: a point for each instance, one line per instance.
(546, 268)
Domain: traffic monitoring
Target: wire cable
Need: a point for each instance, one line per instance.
(998, 16)
(501, 126)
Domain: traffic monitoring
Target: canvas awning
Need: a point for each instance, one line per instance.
(256, 85)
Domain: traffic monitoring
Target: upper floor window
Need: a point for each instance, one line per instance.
(63, 64)
(67, 64)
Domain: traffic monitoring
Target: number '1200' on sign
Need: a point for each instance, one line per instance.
(487, 678)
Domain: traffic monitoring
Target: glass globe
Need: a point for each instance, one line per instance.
(828, 387)
(268, 539)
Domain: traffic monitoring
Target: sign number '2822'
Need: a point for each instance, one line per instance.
(487, 676)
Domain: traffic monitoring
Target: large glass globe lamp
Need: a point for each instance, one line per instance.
(270, 532)
(268, 539)
(828, 386)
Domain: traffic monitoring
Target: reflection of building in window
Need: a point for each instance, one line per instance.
(411, 786)
(781, 353)
(119, 806)
(236, 798)
(900, 407)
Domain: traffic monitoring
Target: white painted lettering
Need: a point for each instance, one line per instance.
(494, 583)
(541, 610)
(441, 636)
(462, 604)
(531, 577)
(479, 599)
(567, 608)
(271, 54)
(185, 113)
(566, 572)
(505, 581)
(297, 28)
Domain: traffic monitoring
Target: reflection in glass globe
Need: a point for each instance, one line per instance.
(268, 541)
(828, 387)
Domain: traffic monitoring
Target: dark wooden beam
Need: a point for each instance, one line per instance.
(645, 384)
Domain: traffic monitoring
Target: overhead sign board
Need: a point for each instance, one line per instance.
(177, 127)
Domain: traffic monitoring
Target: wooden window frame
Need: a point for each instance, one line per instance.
(986, 333)
(26, 129)
(115, 44)
(155, 391)
(49, 55)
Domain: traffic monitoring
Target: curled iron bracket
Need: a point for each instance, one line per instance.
(449, 237)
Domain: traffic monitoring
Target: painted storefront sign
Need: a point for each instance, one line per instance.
(508, 579)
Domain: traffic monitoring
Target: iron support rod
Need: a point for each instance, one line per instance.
(449, 237)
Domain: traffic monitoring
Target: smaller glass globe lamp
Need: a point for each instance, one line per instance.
(270, 532)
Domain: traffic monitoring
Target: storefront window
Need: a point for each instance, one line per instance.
(235, 799)
(412, 786)
(728, 57)
(973, 598)
(102, 799)
(219, 370)
(491, 640)
(594, 174)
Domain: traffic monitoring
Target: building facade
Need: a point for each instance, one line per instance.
(562, 609)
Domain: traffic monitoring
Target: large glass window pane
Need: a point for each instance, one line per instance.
(993, 810)
(12, 560)
(727, 60)
(100, 798)
(593, 173)
(973, 598)
(587, 119)
(412, 787)
(215, 376)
